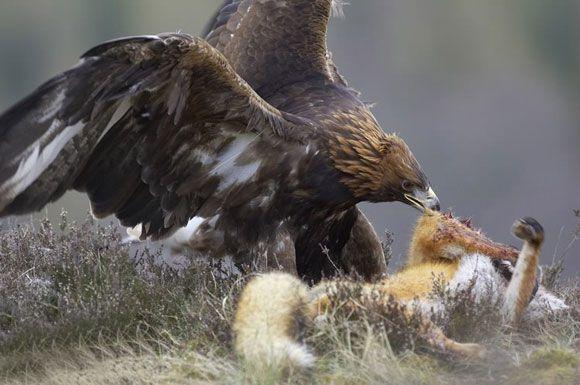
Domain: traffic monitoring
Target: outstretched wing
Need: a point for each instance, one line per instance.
(150, 127)
(271, 43)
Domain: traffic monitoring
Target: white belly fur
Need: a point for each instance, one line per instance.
(488, 284)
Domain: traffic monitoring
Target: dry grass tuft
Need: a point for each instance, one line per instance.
(78, 286)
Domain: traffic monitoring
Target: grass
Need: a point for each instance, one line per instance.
(78, 307)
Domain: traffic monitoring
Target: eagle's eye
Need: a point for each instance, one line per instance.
(407, 186)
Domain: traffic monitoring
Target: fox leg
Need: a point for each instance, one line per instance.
(279, 253)
(274, 253)
(523, 281)
(323, 297)
(434, 337)
(363, 253)
(347, 243)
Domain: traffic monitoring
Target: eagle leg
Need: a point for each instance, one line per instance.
(363, 253)
(340, 244)
(278, 253)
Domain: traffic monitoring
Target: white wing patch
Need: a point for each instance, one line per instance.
(179, 238)
(201, 156)
(33, 161)
(184, 234)
(54, 106)
(239, 174)
(24, 169)
(134, 234)
(227, 168)
(117, 115)
(36, 161)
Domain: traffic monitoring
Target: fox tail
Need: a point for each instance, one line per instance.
(271, 318)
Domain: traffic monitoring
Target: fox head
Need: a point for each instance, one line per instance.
(440, 237)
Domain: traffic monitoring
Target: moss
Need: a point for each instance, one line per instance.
(426, 363)
(547, 358)
(549, 366)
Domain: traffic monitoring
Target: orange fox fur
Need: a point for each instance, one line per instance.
(274, 307)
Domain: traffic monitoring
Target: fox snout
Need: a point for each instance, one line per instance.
(528, 229)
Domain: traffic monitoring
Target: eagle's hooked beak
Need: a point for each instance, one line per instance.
(423, 200)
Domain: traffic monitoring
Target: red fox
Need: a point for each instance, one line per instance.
(275, 308)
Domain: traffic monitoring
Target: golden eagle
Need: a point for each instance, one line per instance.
(249, 132)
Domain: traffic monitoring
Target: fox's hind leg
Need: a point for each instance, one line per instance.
(430, 334)
(523, 281)
(438, 341)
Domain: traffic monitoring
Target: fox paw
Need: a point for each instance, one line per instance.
(528, 229)
(471, 351)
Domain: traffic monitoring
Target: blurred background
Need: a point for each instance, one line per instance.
(486, 93)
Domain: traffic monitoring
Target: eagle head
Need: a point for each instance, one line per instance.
(401, 177)
(380, 167)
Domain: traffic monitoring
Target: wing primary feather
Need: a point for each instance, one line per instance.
(104, 47)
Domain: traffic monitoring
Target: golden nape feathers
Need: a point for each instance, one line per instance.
(373, 162)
